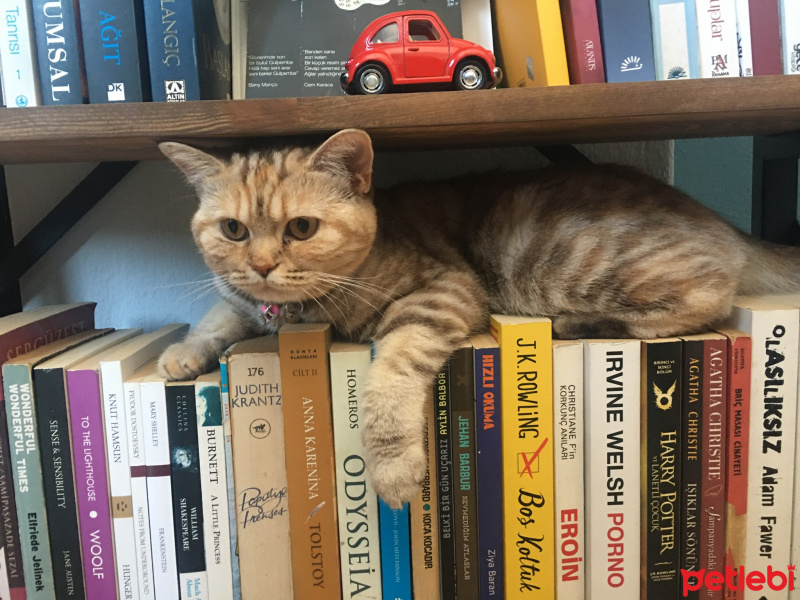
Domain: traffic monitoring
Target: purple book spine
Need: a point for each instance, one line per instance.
(91, 483)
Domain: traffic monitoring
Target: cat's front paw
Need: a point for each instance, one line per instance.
(397, 478)
(184, 361)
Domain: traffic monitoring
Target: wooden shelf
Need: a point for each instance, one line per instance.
(569, 114)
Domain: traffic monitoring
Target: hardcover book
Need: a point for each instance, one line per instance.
(21, 83)
(675, 39)
(790, 36)
(582, 38)
(626, 35)
(765, 36)
(59, 52)
(189, 49)
(444, 476)
(569, 457)
(717, 34)
(744, 37)
(21, 412)
(612, 408)
(21, 333)
(114, 50)
(257, 430)
(214, 485)
(305, 376)
(661, 467)
(773, 416)
(526, 366)
(359, 529)
(52, 404)
(488, 427)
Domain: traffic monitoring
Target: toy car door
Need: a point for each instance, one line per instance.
(427, 48)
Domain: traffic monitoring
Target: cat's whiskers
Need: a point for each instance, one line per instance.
(340, 281)
(305, 292)
(332, 301)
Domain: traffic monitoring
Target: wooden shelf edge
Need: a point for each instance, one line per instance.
(568, 114)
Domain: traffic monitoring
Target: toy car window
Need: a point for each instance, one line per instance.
(388, 34)
(422, 31)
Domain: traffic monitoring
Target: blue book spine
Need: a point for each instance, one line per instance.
(59, 51)
(395, 552)
(627, 40)
(675, 39)
(489, 471)
(114, 51)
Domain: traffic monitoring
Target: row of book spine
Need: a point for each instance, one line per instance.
(57, 52)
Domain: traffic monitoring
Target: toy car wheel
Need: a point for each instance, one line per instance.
(371, 80)
(471, 75)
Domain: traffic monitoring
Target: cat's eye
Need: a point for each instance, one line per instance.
(233, 230)
(302, 228)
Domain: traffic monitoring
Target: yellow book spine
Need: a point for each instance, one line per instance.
(554, 52)
(526, 359)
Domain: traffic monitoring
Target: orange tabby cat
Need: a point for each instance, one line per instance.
(605, 252)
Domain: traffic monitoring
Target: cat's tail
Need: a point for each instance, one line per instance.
(770, 269)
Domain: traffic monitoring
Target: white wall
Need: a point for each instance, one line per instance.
(133, 253)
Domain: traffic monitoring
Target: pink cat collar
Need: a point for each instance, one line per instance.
(270, 312)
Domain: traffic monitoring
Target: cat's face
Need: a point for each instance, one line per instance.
(283, 226)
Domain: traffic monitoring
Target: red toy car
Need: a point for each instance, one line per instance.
(414, 47)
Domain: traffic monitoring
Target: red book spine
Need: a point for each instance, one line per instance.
(582, 37)
(738, 392)
(765, 34)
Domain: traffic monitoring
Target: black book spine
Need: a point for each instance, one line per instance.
(465, 491)
(59, 52)
(187, 496)
(59, 486)
(691, 459)
(447, 558)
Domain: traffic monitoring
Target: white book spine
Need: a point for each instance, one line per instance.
(214, 483)
(357, 501)
(159, 491)
(790, 36)
(239, 48)
(773, 423)
(717, 37)
(612, 474)
(226, 430)
(569, 469)
(119, 478)
(744, 37)
(141, 510)
(18, 55)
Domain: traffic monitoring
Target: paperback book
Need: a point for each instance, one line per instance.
(59, 51)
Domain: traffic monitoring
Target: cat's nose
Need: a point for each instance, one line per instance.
(263, 269)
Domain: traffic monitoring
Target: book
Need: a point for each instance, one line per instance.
(214, 485)
(717, 38)
(660, 399)
(744, 38)
(55, 438)
(462, 396)
(444, 477)
(239, 48)
(531, 42)
(568, 430)
(114, 50)
(19, 333)
(26, 460)
(739, 353)
(790, 36)
(187, 494)
(21, 83)
(153, 392)
(116, 366)
(488, 443)
(305, 377)
(582, 41)
(189, 49)
(675, 39)
(626, 36)
(773, 417)
(395, 551)
(424, 520)
(612, 473)
(226, 429)
(59, 52)
(257, 429)
(526, 367)
(359, 526)
(765, 37)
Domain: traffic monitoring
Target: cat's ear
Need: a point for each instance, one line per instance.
(198, 166)
(347, 154)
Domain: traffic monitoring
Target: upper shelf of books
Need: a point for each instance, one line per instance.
(565, 114)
